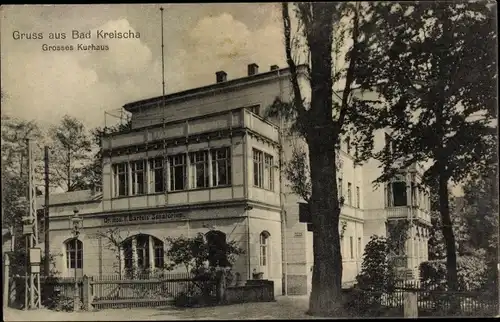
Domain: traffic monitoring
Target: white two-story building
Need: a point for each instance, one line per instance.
(206, 158)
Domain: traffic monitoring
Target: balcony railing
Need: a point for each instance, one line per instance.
(220, 121)
(407, 212)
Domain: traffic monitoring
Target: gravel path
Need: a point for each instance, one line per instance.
(290, 307)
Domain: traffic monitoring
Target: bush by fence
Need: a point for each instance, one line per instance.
(471, 274)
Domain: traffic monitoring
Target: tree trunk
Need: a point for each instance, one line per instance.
(449, 237)
(325, 297)
(322, 136)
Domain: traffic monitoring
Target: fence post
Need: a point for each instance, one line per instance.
(410, 304)
(6, 280)
(87, 293)
(221, 286)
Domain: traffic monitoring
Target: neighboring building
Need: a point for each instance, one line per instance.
(221, 171)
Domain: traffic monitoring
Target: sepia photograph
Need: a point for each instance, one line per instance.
(278, 160)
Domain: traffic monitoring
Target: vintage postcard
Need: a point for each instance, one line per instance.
(249, 160)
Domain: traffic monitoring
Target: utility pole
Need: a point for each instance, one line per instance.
(46, 214)
(30, 231)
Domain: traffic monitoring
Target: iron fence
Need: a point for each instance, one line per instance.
(431, 301)
(143, 290)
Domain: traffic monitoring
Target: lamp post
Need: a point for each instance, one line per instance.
(75, 225)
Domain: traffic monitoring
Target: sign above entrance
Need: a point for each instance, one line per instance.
(142, 218)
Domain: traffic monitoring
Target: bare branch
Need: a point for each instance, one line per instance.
(350, 69)
(291, 63)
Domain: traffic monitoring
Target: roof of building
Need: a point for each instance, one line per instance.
(70, 197)
(133, 105)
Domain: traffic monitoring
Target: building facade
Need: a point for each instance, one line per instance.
(207, 159)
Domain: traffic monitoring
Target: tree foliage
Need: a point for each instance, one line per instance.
(194, 253)
(15, 132)
(298, 174)
(92, 171)
(435, 65)
(71, 151)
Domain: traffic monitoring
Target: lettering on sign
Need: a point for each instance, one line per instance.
(298, 234)
(143, 218)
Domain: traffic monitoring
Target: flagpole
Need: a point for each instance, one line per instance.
(165, 157)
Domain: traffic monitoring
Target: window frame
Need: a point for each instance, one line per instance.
(219, 163)
(119, 173)
(349, 193)
(157, 167)
(198, 160)
(135, 172)
(74, 253)
(258, 168)
(268, 172)
(178, 162)
(358, 197)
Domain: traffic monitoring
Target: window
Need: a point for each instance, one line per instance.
(263, 174)
(157, 175)
(268, 172)
(399, 193)
(74, 253)
(199, 169)
(121, 179)
(264, 243)
(413, 194)
(221, 167)
(360, 250)
(143, 248)
(138, 177)
(258, 168)
(348, 145)
(349, 193)
(358, 197)
(254, 109)
(158, 253)
(341, 193)
(178, 172)
(351, 246)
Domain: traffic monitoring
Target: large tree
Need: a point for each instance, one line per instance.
(322, 122)
(435, 65)
(71, 151)
(15, 132)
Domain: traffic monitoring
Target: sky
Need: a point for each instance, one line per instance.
(200, 39)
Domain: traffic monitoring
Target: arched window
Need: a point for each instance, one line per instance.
(217, 249)
(142, 252)
(74, 253)
(264, 243)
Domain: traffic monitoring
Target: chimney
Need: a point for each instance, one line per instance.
(221, 76)
(274, 67)
(253, 69)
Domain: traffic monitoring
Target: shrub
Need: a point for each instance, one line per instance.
(471, 272)
(377, 273)
(377, 277)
